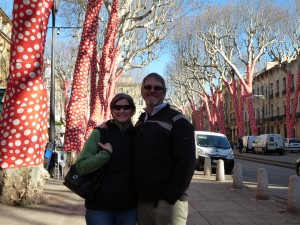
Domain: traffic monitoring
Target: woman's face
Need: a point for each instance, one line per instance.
(122, 111)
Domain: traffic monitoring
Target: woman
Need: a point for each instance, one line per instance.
(114, 202)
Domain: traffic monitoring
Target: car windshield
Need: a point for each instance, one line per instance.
(294, 141)
(212, 141)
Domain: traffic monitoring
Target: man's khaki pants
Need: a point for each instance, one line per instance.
(162, 214)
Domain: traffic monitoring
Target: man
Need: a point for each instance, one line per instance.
(240, 144)
(164, 158)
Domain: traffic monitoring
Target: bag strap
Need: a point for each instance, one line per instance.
(102, 134)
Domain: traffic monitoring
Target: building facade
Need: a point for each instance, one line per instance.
(269, 102)
(5, 41)
(270, 106)
(126, 84)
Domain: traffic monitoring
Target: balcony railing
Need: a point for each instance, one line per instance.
(277, 94)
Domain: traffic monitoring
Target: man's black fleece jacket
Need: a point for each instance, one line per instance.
(164, 156)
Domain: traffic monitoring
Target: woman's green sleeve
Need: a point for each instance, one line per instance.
(92, 156)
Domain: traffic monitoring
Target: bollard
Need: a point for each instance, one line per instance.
(237, 176)
(262, 191)
(220, 176)
(207, 166)
(293, 204)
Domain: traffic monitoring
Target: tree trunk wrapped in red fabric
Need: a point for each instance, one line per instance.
(77, 108)
(108, 61)
(24, 120)
(291, 113)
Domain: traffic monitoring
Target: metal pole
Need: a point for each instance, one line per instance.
(52, 81)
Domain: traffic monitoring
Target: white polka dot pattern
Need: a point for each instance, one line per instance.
(107, 79)
(24, 120)
(77, 107)
(108, 62)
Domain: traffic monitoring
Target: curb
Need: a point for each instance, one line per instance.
(266, 161)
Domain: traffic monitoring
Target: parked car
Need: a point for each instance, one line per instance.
(216, 146)
(298, 167)
(291, 144)
(268, 143)
(247, 143)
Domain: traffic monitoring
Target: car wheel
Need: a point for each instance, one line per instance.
(298, 168)
(214, 170)
(281, 152)
(197, 167)
(263, 151)
(228, 171)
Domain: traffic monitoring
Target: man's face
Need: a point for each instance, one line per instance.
(153, 92)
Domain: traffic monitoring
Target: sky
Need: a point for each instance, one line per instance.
(156, 66)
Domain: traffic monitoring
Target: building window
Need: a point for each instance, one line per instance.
(277, 86)
(140, 102)
(271, 110)
(271, 89)
(292, 85)
(284, 83)
(277, 111)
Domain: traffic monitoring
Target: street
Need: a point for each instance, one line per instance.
(278, 176)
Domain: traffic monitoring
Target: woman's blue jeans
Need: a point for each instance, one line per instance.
(107, 217)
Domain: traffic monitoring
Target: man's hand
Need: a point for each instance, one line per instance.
(106, 146)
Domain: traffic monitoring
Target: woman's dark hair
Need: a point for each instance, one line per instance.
(121, 96)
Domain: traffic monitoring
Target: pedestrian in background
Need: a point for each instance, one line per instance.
(114, 203)
(164, 158)
(240, 144)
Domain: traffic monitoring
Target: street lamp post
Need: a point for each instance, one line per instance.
(52, 83)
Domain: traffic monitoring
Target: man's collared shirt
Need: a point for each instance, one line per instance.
(155, 110)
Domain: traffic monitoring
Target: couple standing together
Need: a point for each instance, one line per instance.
(148, 168)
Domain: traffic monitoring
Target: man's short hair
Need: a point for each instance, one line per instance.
(158, 78)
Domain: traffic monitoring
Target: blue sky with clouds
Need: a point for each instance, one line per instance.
(157, 66)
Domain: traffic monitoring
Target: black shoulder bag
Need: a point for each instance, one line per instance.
(84, 185)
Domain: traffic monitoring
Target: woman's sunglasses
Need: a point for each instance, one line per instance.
(119, 107)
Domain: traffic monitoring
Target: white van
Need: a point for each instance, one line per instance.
(213, 145)
(247, 143)
(268, 143)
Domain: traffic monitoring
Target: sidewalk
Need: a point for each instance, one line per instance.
(211, 203)
(214, 202)
(63, 208)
